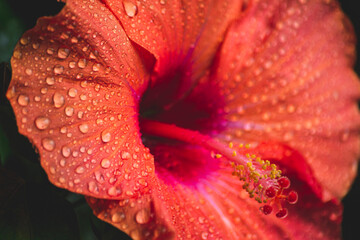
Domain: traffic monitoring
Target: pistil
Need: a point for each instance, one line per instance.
(262, 180)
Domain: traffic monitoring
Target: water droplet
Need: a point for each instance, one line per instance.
(65, 151)
(125, 155)
(83, 97)
(105, 163)
(50, 80)
(28, 71)
(72, 92)
(130, 8)
(50, 51)
(74, 40)
(48, 144)
(84, 128)
(62, 162)
(44, 90)
(17, 54)
(114, 191)
(92, 187)
(80, 170)
(82, 63)
(80, 114)
(58, 69)
(69, 111)
(64, 35)
(105, 136)
(50, 28)
(135, 234)
(96, 67)
(117, 217)
(142, 216)
(42, 123)
(35, 45)
(24, 40)
(72, 64)
(23, 100)
(204, 235)
(63, 53)
(99, 177)
(52, 170)
(59, 100)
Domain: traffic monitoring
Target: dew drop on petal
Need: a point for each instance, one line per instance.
(35, 45)
(65, 151)
(105, 136)
(105, 163)
(92, 187)
(82, 63)
(62, 162)
(80, 170)
(72, 64)
(63, 53)
(48, 144)
(69, 111)
(96, 67)
(50, 81)
(142, 216)
(42, 123)
(117, 217)
(52, 170)
(130, 8)
(84, 128)
(114, 191)
(58, 69)
(23, 100)
(28, 71)
(17, 54)
(72, 92)
(74, 40)
(125, 155)
(50, 51)
(204, 235)
(24, 40)
(135, 234)
(99, 177)
(59, 100)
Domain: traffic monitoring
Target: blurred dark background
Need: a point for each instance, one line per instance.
(16, 16)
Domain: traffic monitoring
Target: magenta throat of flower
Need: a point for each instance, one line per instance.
(261, 179)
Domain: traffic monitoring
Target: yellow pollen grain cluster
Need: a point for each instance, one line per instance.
(253, 173)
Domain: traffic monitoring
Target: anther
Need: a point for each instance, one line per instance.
(282, 213)
(292, 197)
(284, 182)
(266, 209)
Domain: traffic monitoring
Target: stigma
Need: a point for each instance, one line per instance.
(264, 183)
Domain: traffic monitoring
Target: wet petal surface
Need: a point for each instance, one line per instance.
(290, 80)
(75, 90)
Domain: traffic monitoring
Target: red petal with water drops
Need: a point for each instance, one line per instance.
(217, 207)
(182, 35)
(75, 91)
(290, 80)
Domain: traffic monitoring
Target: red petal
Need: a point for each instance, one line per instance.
(290, 80)
(218, 208)
(75, 92)
(182, 35)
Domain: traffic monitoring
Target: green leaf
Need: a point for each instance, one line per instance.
(30, 211)
(10, 31)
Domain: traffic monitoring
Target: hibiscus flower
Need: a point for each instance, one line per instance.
(191, 119)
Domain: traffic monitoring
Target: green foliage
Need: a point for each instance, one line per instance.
(10, 31)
